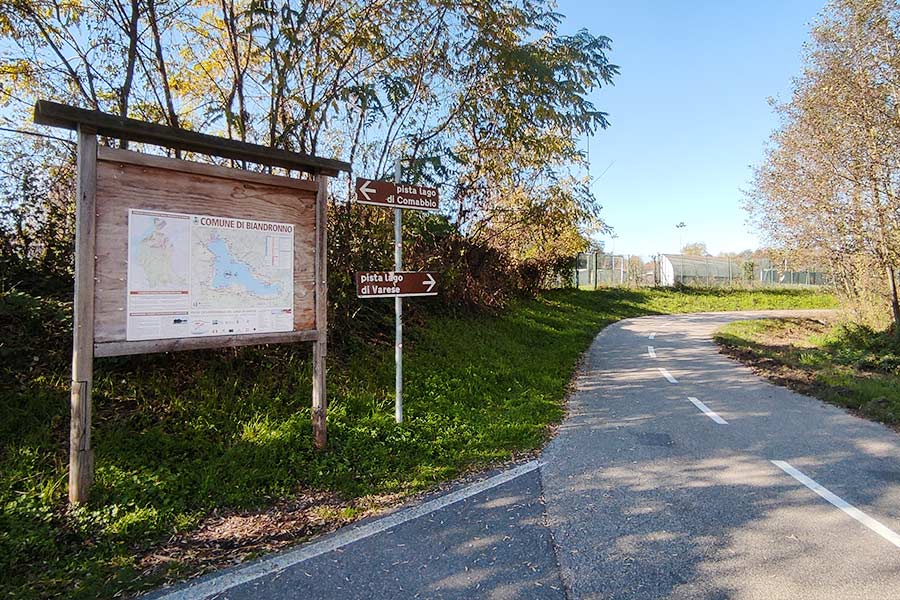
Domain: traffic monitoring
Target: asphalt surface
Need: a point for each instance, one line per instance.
(647, 497)
(640, 495)
(490, 545)
(493, 545)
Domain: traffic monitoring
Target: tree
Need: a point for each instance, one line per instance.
(635, 270)
(695, 249)
(830, 185)
(36, 220)
(486, 99)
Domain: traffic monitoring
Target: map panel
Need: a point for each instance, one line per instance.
(200, 275)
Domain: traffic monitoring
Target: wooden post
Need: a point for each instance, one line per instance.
(320, 399)
(81, 457)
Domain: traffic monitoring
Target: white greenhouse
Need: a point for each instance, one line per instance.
(679, 269)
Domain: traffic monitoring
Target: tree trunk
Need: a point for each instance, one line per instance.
(163, 71)
(895, 305)
(132, 32)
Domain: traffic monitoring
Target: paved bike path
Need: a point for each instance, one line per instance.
(649, 497)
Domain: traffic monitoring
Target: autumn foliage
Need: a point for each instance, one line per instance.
(485, 100)
(829, 189)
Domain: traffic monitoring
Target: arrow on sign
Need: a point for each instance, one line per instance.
(365, 190)
(429, 280)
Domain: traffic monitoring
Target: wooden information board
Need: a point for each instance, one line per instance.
(130, 180)
(177, 203)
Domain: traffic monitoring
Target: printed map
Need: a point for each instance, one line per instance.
(198, 275)
(234, 268)
(156, 241)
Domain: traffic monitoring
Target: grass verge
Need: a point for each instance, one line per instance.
(848, 365)
(191, 448)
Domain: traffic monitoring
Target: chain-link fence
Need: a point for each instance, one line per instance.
(588, 272)
(595, 269)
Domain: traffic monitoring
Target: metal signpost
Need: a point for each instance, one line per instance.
(396, 284)
(398, 302)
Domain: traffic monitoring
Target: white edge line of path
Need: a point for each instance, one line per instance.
(840, 503)
(667, 375)
(651, 351)
(706, 411)
(242, 575)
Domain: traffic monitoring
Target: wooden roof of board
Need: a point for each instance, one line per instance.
(71, 117)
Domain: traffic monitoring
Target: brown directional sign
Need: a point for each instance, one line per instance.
(395, 284)
(396, 195)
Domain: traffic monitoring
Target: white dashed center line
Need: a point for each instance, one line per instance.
(652, 335)
(668, 376)
(706, 411)
(651, 351)
(839, 502)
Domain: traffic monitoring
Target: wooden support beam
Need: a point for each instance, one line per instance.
(320, 349)
(70, 117)
(186, 166)
(81, 456)
(199, 343)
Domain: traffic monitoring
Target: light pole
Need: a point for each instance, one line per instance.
(679, 226)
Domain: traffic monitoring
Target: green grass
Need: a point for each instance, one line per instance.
(178, 436)
(844, 364)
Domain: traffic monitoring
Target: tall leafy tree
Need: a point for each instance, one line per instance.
(831, 182)
(486, 99)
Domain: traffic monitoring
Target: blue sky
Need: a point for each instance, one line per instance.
(689, 112)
